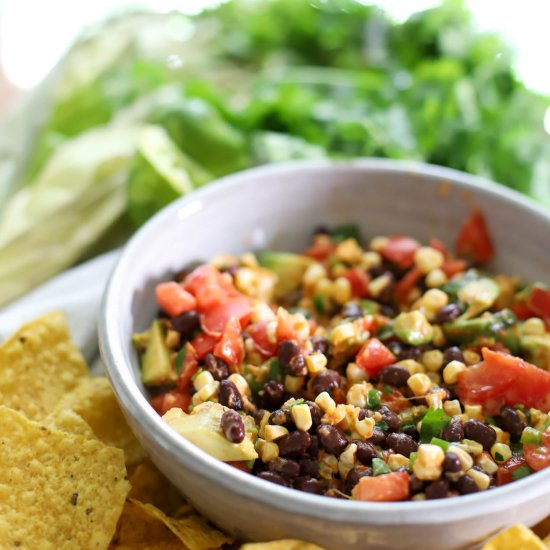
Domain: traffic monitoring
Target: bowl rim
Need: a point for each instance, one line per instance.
(248, 486)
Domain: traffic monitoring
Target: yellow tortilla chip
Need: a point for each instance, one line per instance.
(193, 530)
(288, 544)
(38, 365)
(514, 538)
(94, 400)
(57, 490)
(66, 420)
(151, 487)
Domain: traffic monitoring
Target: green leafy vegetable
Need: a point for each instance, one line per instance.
(379, 467)
(433, 424)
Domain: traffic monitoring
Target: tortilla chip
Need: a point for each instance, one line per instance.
(542, 529)
(94, 400)
(514, 538)
(57, 487)
(288, 544)
(68, 421)
(38, 365)
(151, 487)
(193, 530)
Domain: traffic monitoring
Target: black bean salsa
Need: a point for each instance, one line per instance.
(383, 372)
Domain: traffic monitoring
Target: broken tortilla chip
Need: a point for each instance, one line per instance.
(94, 400)
(38, 365)
(57, 490)
(68, 421)
(514, 538)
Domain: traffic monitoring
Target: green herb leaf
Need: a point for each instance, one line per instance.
(382, 426)
(379, 467)
(433, 424)
(522, 471)
(440, 443)
(499, 457)
(180, 359)
(387, 390)
(343, 232)
(275, 372)
(319, 303)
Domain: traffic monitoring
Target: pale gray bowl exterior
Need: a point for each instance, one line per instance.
(277, 207)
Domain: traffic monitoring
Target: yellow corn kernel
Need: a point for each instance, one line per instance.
(355, 374)
(397, 461)
(471, 357)
(378, 285)
(428, 465)
(482, 480)
(534, 326)
(432, 360)
(364, 428)
(207, 392)
(202, 380)
(338, 270)
(419, 497)
(435, 399)
(302, 417)
(314, 273)
(501, 452)
(328, 465)
(347, 460)
(325, 401)
(341, 291)
(466, 460)
(472, 446)
(378, 243)
(342, 333)
(431, 302)
(172, 339)
(370, 259)
(336, 416)
(323, 287)
(240, 382)
(485, 461)
(419, 383)
(414, 367)
(262, 312)
(357, 395)
(452, 370)
(435, 377)
(249, 260)
(222, 261)
(438, 338)
(272, 433)
(263, 423)
(436, 278)
(294, 384)
(474, 411)
(316, 362)
(427, 259)
(502, 436)
(452, 408)
(349, 251)
(538, 418)
(269, 452)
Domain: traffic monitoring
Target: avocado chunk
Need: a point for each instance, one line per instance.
(203, 428)
(156, 367)
(537, 349)
(289, 268)
(413, 328)
(480, 295)
(498, 326)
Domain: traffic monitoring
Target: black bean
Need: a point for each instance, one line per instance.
(378, 437)
(386, 295)
(229, 395)
(388, 310)
(280, 417)
(216, 367)
(287, 350)
(354, 475)
(352, 310)
(297, 366)
(316, 413)
(310, 485)
(294, 444)
(273, 394)
(415, 485)
(390, 418)
(411, 431)
(362, 414)
(409, 352)
(454, 353)
(285, 467)
(394, 375)
(466, 485)
(233, 426)
(313, 448)
(321, 229)
(320, 344)
(510, 421)
(402, 443)
(328, 380)
(365, 452)
(309, 467)
(452, 463)
(273, 477)
(448, 313)
(437, 489)
(454, 431)
(186, 324)
(480, 432)
(332, 439)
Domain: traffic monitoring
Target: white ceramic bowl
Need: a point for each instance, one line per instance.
(277, 207)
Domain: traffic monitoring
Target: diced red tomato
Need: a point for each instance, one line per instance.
(285, 328)
(539, 303)
(384, 488)
(209, 286)
(453, 267)
(367, 323)
(538, 458)
(204, 344)
(438, 245)
(172, 399)
(230, 348)
(258, 333)
(189, 368)
(396, 401)
(506, 380)
(174, 299)
(215, 318)
(321, 249)
(359, 281)
(406, 284)
(374, 356)
(400, 250)
(474, 239)
(504, 473)
(521, 311)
